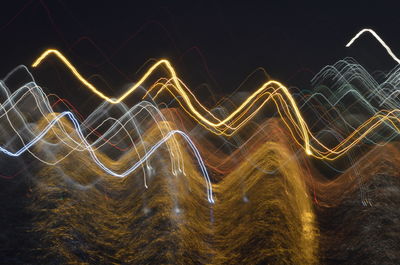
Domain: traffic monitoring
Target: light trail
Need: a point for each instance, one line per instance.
(280, 99)
(101, 165)
(387, 48)
(230, 122)
(44, 108)
(185, 96)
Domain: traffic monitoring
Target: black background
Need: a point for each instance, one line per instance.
(215, 42)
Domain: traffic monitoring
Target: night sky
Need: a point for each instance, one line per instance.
(216, 42)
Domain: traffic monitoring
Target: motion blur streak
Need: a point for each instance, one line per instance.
(298, 121)
(159, 178)
(387, 48)
(185, 96)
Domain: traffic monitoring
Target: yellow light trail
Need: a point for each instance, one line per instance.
(233, 120)
(182, 92)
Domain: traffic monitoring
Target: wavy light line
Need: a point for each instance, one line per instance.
(182, 92)
(387, 48)
(300, 126)
(104, 167)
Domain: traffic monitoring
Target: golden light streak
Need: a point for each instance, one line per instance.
(236, 119)
(182, 92)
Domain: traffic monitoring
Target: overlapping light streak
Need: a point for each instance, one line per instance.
(266, 169)
(177, 84)
(270, 91)
(234, 120)
(9, 106)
